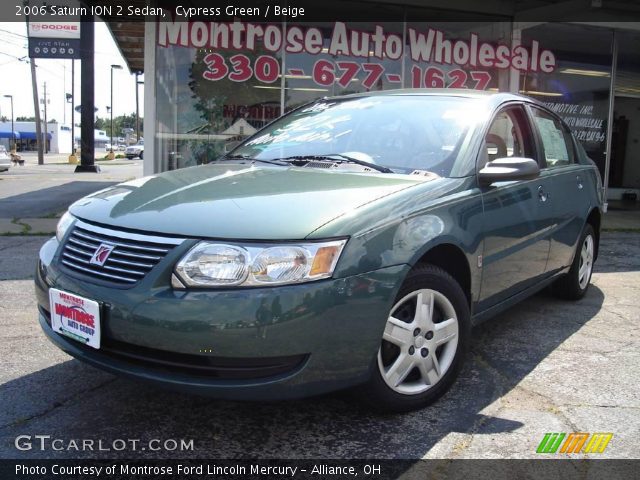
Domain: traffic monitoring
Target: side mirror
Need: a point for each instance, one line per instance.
(508, 170)
(230, 146)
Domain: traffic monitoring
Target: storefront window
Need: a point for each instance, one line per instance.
(216, 83)
(578, 88)
(349, 58)
(468, 55)
(219, 82)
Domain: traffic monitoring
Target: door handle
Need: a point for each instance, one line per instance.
(541, 194)
(579, 180)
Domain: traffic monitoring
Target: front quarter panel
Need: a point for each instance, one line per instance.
(401, 229)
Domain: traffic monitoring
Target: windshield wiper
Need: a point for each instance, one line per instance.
(252, 159)
(340, 158)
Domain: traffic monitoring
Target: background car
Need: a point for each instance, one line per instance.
(351, 243)
(5, 159)
(134, 151)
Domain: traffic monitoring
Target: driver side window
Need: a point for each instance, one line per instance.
(507, 137)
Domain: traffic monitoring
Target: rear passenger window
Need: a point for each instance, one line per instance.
(556, 139)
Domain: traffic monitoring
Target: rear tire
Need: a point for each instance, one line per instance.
(423, 345)
(141, 155)
(575, 283)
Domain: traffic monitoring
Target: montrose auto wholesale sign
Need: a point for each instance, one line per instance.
(437, 62)
(54, 39)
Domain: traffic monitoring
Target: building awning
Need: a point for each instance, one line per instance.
(8, 135)
(30, 135)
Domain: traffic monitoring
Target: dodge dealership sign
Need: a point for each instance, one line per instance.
(54, 39)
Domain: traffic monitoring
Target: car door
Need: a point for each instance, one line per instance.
(516, 217)
(564, 180)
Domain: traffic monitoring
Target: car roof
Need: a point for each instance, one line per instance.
(495, 98)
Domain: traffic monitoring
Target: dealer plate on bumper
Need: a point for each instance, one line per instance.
(75, 317)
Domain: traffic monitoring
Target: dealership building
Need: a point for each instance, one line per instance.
(210, 82)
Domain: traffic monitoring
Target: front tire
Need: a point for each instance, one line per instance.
(423, 344)
(575, 283)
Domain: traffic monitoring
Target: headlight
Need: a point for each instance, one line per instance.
(211, 264)
(214, 264)
(63, 225)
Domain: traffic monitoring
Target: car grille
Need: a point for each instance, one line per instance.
(133, 255)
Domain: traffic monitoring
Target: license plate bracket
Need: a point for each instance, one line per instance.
(75, 317)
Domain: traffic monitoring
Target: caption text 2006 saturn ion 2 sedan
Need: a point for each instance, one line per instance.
(352, 242)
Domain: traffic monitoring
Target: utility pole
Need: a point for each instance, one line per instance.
(73, 109)
(46, 127)
(14, 149)
(113, 67)
(36, 108)
(137, 111)
(64, 88)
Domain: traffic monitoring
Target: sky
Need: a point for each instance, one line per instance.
(15, 77)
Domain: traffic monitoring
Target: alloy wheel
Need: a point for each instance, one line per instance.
(419, 342)
(586, 262)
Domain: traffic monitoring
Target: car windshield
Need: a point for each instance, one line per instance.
(396, 133)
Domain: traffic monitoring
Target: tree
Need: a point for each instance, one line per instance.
(211, 96)
(119, 123)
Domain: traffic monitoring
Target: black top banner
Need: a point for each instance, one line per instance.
(311, 11)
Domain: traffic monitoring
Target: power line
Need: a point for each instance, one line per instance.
(22, 59)
(13, 33)
(50, 71)
(11, 41)
(10, 61)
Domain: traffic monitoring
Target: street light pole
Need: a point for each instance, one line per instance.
(113, 67)
(137, 111)
(13, 133)
(73, 106)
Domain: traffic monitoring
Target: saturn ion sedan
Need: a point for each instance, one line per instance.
(353, 242)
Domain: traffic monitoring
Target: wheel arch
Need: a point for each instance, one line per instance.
(594, 219)
(452, 259)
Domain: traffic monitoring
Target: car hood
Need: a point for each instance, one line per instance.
(235, 201)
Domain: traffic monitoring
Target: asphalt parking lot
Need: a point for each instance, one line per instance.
(543, 366)
(37, 191)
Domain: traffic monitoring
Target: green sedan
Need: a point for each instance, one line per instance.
(353, 242)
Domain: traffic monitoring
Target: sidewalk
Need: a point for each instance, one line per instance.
(621, 220)
(33, 197)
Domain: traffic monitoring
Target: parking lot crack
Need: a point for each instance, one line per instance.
(501, 382)
(590, 405)
(615, 314)
(504, 384)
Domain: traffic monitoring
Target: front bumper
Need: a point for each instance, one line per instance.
(316, 337)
